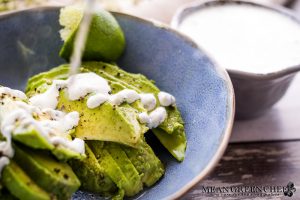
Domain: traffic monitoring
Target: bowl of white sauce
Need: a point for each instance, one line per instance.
(258, 44)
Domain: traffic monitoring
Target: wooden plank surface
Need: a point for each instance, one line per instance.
(255, 164)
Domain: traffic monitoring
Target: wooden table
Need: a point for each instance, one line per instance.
(266, 163)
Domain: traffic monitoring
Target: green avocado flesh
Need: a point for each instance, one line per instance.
(146, 163)
(55, 177)
(21, 185)
(92, 175)
(118, 162)
(31, 137)
(117, 166)
(118, 79)
(105, 123)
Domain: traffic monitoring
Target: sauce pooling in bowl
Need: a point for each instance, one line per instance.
(245, 37)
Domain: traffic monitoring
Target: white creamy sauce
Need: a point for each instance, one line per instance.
(148, 100)
(60, 124)
(17, 117)
(47, 99)
(125, 95)
(79, 85)
(3, 162)
(166, 99)
(96, 100)
(155, 118)
(246, 38)
(76, 145)
(144, 118)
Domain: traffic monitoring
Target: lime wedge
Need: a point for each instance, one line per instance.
(105, 41)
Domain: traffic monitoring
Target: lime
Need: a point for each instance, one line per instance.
(105, 41)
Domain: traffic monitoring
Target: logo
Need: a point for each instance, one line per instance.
(239, 190)
(290, 189)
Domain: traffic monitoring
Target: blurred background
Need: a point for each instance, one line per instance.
(155, 9)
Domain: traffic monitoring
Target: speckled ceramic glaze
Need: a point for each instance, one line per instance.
(30, 43)
(255, 93)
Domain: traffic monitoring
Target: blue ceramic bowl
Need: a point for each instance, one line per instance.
(30, 44)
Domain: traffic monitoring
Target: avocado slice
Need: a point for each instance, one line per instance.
(146, 163)
(139, 83)
(175, 143)
(110, 166)
(111, 123)
(120, 79)
(30, 134)
(171, 132)
(33, 138)
(105, 123)
(92, 175)
(128, 169)
(53, 176)
(118, 166)
(21, 185)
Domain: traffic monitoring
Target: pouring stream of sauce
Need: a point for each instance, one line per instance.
(81, 37)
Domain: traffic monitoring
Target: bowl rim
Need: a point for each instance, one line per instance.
(195, 5)
(230, 104)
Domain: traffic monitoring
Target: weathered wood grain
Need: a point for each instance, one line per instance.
(255, 164)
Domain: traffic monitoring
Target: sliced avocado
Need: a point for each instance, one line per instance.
(118, 80)
(111, 123)
(105, 123)
(60, 72)
(172, 125)
(175, 143)
(34, 139)
(64, 154)
(118, 166)
(53, 176)
(92, 175)
(141, 84)
(31, 137)
(111, 168)
(128, 169)
(21, 185)
(145, 161)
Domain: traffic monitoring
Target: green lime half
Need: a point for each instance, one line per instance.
(105, 41)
